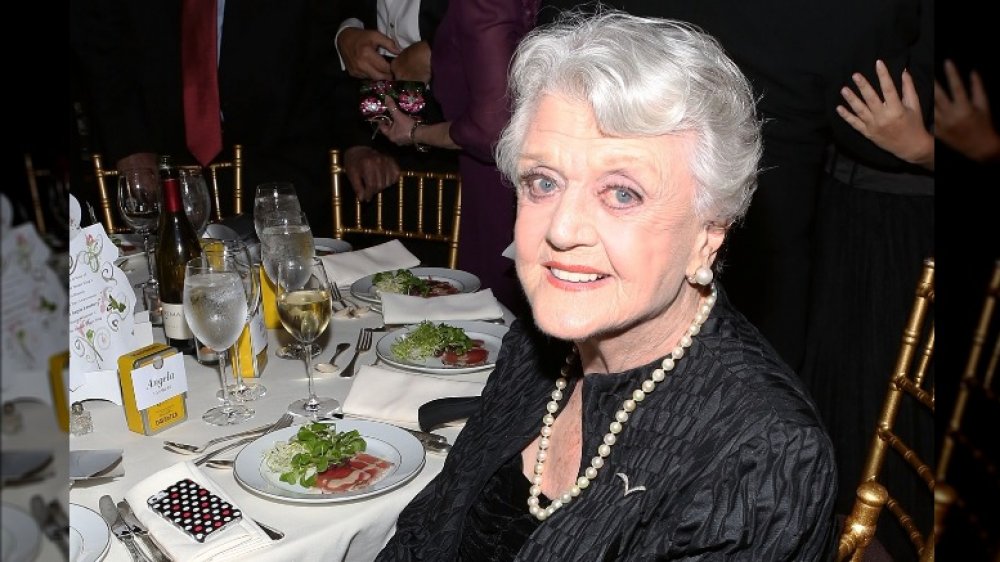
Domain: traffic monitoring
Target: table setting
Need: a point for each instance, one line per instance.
(363, 450)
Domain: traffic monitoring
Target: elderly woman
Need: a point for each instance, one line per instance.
(640, 417)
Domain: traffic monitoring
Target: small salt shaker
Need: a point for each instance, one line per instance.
(11, 418)
(80, 422)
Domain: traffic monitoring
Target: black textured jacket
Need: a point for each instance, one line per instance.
(735, 464)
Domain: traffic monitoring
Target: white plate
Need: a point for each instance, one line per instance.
(463, 280)
(133, 264)
(491, 334)
(387, 442)
(21, 535)
(92, 532)
(326, 246)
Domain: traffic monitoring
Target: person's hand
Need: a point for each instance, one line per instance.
(965, 123)
(413, 63)
(894, 124)
(369, 171)
(359, 49)
(138, 160)
(397, 127)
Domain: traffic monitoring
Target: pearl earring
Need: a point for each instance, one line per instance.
(703, 276)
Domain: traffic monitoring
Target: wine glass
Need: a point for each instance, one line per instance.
(304, 306)
(139, 203)
(215, 306)
(194, 194)
(236, 254)
(273, 200)
(286, 239)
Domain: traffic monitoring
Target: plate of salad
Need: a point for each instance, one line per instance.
(443, 348)
(329, 462)
(417, 281)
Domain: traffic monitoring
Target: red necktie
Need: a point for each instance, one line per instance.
(201, 82)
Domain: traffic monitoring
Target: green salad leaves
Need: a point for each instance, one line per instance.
(428, 339)
(401, 281)
(315, 448)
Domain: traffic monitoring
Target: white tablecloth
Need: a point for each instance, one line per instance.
(326, 532)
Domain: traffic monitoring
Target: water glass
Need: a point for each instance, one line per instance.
(215, 306)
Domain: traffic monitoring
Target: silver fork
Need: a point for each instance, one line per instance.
(184, 448)
(364, 344)
(284, 421)
(338, 296)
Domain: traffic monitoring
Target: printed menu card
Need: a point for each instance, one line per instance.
(101, 321)
(32, 305)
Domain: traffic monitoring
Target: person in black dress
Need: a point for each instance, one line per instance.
(637, 415)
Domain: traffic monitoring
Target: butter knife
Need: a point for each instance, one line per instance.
(140, 530)
(121, 529)
(50, 528)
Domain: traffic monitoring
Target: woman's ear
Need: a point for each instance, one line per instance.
(712, 238)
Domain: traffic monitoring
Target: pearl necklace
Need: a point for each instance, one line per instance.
(621, 416)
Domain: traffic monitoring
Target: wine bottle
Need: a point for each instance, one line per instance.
(176, 245)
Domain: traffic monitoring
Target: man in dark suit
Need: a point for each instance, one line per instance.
(277, 72)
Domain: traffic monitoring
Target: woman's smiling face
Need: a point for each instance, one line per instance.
(606, 230)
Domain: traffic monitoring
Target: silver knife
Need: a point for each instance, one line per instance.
(430, 441)
(121, 529)
(50, 528)
(140, 530)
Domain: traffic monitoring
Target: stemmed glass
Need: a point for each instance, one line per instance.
(274, 200)
(286, 240)
(236, 254)
(194, 194)
(139, 202)
(215, 306)
(304, 306)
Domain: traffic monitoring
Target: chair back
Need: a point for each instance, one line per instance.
(34, 174)
(107, 193)
(969, 441)
(104, 192)
(908, 380)
(236, 167)
(423, 206)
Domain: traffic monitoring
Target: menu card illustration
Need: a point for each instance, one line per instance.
(33, 306)
(101, 321)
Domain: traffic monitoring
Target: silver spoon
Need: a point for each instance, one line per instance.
(331, 367)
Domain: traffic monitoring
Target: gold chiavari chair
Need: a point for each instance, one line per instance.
(34, 174)
(424, 206)
(908, 380)
(107, 191)
(977, 406)
(236, 167)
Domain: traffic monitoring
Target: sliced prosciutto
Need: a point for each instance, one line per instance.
(434, 288)
(477, 355)
(360, 471)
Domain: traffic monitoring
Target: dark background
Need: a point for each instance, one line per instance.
(43, 118)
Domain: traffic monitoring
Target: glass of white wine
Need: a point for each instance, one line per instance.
(305, 308)
(215, 306)
(287, 240)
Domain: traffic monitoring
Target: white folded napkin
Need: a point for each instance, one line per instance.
(404, 309)
(397, 397)
(347, 267)
(233, 543)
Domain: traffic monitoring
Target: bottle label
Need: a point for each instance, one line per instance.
(174, 324)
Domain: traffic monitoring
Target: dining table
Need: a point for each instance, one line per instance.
(339, 530)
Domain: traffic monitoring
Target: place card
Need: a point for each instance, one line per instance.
(154, 388)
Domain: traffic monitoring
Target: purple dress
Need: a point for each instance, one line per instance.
(471, 51)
